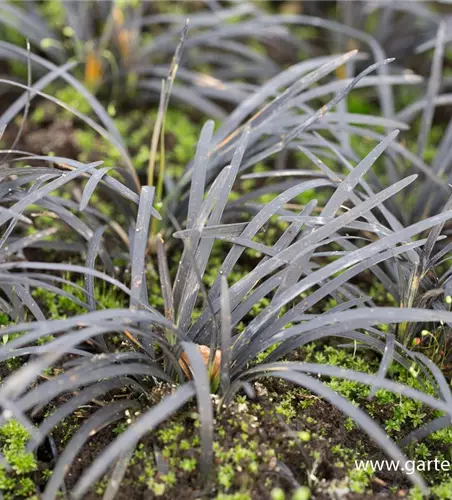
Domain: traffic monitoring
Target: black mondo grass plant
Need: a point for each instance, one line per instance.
(269, 121)
(309, 234)
(290, 267)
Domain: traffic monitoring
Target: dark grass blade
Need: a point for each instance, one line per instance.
(91, 186)
(364, 253)
(93, 251)
(205, 409)
(329, 287)
(386, 361)
(21, 243)
(16, 383)
(91, 123)
(66, 216)
(116, 319)
(79, 87)
(393, 222)
(215, 231)
(277, 104)
(225, 336)
(258, 222)
(184, 282)
(27, 105)
(209, 308)
(48, 188)
(440, 379)
(240, 289)
(198, 181)
(322, 111)
(284, 78)
(103, 417)
(185, 95)
(408, 155)
(79, 377)
(28, 25)
(85, 396)
(69, 268)
(31, 91)
(137, 258)
(14, 215)
(341, 194)
(344, 374)
(218, 201)
(165, 279)
(317, 236)
(384, 90)
(128, 440)
(424, 431)
(432, 90)
(433, 238)
(117, 475)
(22, 293)
(350, 182)
(354, 319)
(12, 305)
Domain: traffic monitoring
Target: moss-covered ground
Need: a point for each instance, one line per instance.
(285, 443)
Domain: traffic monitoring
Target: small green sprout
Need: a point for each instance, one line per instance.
(277, 494)
(302, 493)
(304, 436)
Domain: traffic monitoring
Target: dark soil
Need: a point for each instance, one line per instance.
(293, 463)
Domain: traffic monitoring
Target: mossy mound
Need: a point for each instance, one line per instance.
(283, 444)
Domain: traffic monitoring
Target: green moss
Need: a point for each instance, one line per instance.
(17, 482)
(188, 464)
(225, 476)
(416, 494)
(240, 453)
(181, 135)
(302, 493)
(54, 13)
(171, 434)
(443, 491)
(61, 307)
(286, 407)
(38, 115)
(277, 494)
(234, 496)
(359, 480)
(73, 98)
(403, 411)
